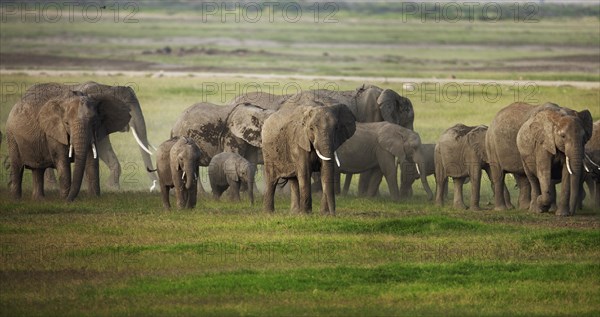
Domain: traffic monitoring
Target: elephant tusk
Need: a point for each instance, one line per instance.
(594, 163)
(70, 150)
(153, 147)
(569, 166)
(183, 175)
(337, 159)
(195, 177)
(418, 171)
(321, 156)
(137, 139)
(587, 170)
(153, 186)
(94, 151)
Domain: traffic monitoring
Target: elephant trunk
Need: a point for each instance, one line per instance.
(138, 129)
(574, 161)
(189, 176)
(421, 168)
(80, 140)
(327, 179)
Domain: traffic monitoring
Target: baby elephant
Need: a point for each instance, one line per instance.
(177, 162)
(231, 170)
(460, 153)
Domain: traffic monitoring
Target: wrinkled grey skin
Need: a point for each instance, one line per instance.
(137, 123)
(41, 126)
(231, 128)
(291, 139)
(378, 145)
(551, 145)
(231, 170)
(177, 162)
(424, 155)
(460, 153)
(592, 164)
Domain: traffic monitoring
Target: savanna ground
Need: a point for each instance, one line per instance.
(121, 254)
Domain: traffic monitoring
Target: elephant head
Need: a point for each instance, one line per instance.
(476, 140)
(375, 104)
(241, 171)
(561, 133)
(78, 121)
(185, 159)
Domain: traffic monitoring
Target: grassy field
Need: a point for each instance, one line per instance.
(122, 254)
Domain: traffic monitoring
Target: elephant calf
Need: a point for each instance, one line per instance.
(231, 170)
(177, 162)
(424, 157)
(460, 153)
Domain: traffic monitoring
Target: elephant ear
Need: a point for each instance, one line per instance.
(113, 113)
(393, 138)
(230, 169)
(587, 123)
(246, 120)
(395, 108)
(299, 128)
(476, 139)
(51, 121)
(346, 125)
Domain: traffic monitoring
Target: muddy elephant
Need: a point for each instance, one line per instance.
(379, 145)
(51, 126)
(592, 164)
(424, 155)
(460, 153)
(136, 124)
(551, 146)
(177, 162)
(231, 170)
(300, 139)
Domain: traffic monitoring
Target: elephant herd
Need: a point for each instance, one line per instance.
(314, 134)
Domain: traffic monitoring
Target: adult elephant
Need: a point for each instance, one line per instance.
(230, 128)
(136, 124)
(298, 140)
(379, 145)
(592, 164)
(52, 125)
(551, 144)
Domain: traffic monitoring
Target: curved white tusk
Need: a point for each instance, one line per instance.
(586, 168)
(418, 171)
(589, 159)
(183, 175)
(337, 159)
(70, 150)
(137, 139)
(94, 150)
(153, 186)
(569, 166)
(195, 177)
(321, 156)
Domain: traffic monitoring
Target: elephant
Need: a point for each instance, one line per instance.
(231, 170)
(592, 164)
(177, 163)
(377, 145)
(460, 153)
(50, 127)
(551, 146)
(136, 124)
(425, 156)
(300, 139)
(501, 149)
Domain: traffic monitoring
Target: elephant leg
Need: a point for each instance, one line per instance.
(458, 197)
(63, 167)
(316, 183)
(363, 182)
(597, 194)
(16, 168)
(92, 173)
(164, 191)
(38, 183)
(524, 191)
(180, 195)
(234, 189)
(391, 177)
(534, 182)
(337, 182)
(498, 183)
(201, 190)
(217, 191)
(50, 178)
(553, 205)
(407, 173)
(375, 179)
(441, 182)
(108, 156)
(347, 181)
(294, 195)
(269, 196)
(304, 188)
(475, 176)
